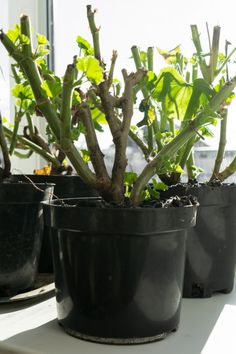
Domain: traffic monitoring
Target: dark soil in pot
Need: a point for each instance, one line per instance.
(65, 187)
(118, 271)
(21, 220)
(211, 244)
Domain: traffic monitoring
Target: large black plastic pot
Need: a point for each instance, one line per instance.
(211, 244)
(21, 220)
(118, 272)
(65, 187)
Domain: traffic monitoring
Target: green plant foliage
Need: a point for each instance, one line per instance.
(85, 46)
(91, 68)
(52, 88)
(85, 155)
(22, 91)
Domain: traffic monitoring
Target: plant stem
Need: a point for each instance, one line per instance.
(228, 171)
(222, 144)
(214, 53)
(3, 145)
(95, 33)
(189, 165)
(34, 147)
(30, 124)
(96, 155)
(150, 58)
(196, 40)
(65, 114)
(17, 119)
(112, 68)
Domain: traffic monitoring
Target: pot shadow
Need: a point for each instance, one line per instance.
(198, 319)
(13, 306)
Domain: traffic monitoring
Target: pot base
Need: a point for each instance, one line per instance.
(104, 340)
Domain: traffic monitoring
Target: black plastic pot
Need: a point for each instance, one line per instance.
(118, 272)
(211, 244)
(65, 187)
(21, 220)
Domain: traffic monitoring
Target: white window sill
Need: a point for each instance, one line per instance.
(207, 326)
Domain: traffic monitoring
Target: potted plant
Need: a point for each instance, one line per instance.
(211, 248)
(21, 227)
(118, 262)
(25, 139)
(180, 92)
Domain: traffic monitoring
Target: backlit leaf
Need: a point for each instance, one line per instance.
(91, 68)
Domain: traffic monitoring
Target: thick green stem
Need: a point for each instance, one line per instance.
(214, 53)
(157, 164)
(26, 30)
(196, 40)
(137, 60)
(189, 165)
(150, 58)
(228, 171)
(30, 125)
(17, 119)
(4, 148)
(65, 114)
(138, 65)
(187, 151)
(95, 33)
(222, 144)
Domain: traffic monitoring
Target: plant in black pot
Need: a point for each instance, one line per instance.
(211, 247)
(21, 227)
(118, 260)
(182, 91)
(24, 140)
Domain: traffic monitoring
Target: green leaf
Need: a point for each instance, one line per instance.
(159, 185)
(150, 115)
(98, 116)
(172, 90)
(24, 39)
(91, 68)
(22, 92)
(51, 88)
(130, 178)
(41, 39)
(85, 155)
(143, 58)
(14, 33)
(41, 51)
(169, 56)
(178, 169)
(76, 97)
(153, 193)
(85, 46)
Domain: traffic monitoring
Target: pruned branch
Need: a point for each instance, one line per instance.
(121, 139)
(96, 155)
(112, 67)
(95, 33)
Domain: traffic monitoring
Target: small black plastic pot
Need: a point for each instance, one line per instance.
(21, 220)
(65, 187)
(118, 272)
(211, 244)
